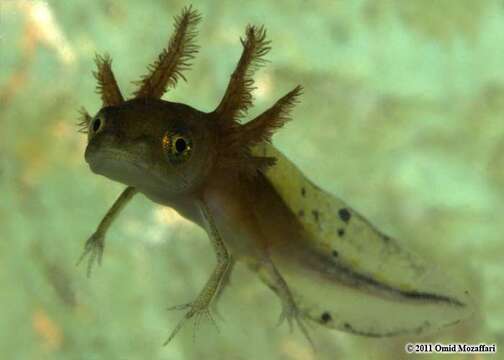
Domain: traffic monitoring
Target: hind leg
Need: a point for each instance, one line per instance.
(270, 275)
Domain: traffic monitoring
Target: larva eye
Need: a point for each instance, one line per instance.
(96, 125)
(177, 147)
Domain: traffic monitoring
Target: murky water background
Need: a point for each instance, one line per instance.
(402, 117)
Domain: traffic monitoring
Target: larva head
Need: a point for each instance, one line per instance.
(153, 145)
(159, 146)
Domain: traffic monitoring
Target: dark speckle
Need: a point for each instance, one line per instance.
(347, 326)
(386, 238)
(301, 213)
(341, 232)
(325, 317)
(315, 214)
(335, 253)
(424, 326)
(303, 191)
(344, 215)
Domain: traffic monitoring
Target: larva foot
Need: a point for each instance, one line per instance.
(93, 249)
(294, 316)
(197, 309)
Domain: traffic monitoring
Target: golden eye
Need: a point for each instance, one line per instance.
(177, 147)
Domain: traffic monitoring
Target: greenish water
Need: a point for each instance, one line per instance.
(401, 117)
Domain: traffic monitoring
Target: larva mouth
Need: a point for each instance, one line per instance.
(117, 165)
(106, 156)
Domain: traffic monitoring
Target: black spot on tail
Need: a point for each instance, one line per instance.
(303, 191)
(316, 215)
(344, 215)
(325, 317)
(341, 232)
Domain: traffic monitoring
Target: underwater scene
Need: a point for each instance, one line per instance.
(292, 180)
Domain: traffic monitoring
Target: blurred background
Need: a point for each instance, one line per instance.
(401, 117)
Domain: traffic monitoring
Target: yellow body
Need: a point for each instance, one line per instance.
(347, 275)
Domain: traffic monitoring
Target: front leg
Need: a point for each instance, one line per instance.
(202, 303)
(95, 244)
(224, 283)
